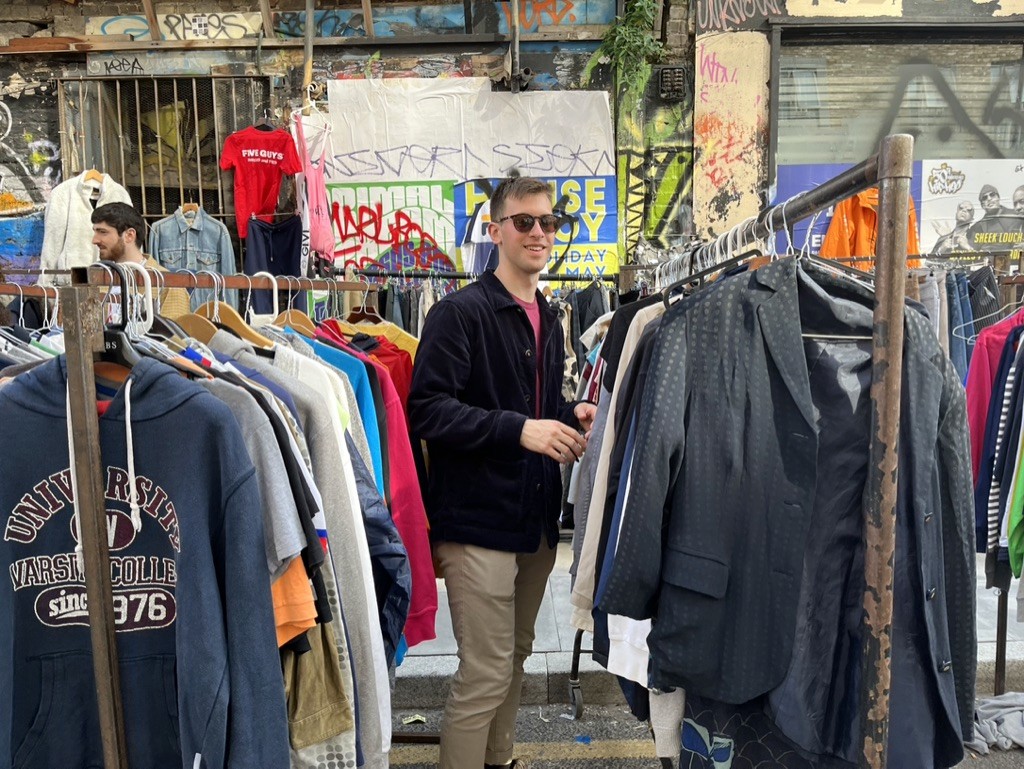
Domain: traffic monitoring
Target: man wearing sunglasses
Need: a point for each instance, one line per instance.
(486, 398)
(999, 228)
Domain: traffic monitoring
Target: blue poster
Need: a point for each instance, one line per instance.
(792, 180)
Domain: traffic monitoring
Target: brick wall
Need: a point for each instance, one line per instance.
(678, 35)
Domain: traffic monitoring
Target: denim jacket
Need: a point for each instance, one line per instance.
(205, 244)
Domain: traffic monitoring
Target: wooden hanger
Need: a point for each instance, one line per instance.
(92, 175)
(296, 320)
(228, 316)
(197, 327)
(189, 208)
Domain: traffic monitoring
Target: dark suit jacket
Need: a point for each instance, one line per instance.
(723, 484)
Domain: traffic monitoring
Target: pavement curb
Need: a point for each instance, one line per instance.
(423, 682)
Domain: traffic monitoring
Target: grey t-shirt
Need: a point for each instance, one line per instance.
(281, 526)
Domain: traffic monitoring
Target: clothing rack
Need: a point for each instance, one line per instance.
(891, 170)
(83, 335)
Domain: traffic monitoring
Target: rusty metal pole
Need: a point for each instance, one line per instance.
(83, 335)
(895, 165)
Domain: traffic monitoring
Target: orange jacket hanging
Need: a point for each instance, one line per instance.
(854, 230)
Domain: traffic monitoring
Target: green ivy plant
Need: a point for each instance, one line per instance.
(631, 48)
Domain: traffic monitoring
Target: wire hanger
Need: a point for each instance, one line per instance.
(117, 347)
(264, 123)
(365, 312)
(974, 337)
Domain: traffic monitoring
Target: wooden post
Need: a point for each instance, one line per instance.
(83, 335)
(154, 26)
(268, 19)
(307, 72)
(894, 172)
(368, 18)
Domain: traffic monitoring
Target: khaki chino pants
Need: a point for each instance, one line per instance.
(494, 599)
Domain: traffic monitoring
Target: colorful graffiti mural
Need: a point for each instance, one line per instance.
(488, 16)
(388, 21)
(655, 170)
(553, 15)
(393, 226)
(30, 164)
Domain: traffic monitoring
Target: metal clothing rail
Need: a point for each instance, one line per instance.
(83, 336)
(770, 220)
(185, 279)
(429, 274)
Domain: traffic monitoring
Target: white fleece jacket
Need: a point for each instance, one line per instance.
(67, 234)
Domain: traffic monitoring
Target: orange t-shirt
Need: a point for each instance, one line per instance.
(294, 610)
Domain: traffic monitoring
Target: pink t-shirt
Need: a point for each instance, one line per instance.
(533, 315)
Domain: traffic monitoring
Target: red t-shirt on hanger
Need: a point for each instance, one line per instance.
(260, 159)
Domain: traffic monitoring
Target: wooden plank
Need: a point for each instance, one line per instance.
(580, 32)
(307, 68)
(268, 19)
(154, 25)
(368, 18)
(83, 335)
(86, 45)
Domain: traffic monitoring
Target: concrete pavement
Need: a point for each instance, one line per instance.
(422, 681)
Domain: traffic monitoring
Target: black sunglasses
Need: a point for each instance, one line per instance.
(524, 222)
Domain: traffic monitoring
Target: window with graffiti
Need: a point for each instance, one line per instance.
(960, 100)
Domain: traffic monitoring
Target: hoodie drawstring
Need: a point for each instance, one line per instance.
(133, 491)
(76, 521)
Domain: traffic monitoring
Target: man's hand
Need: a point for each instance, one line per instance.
(552, 439)
(585, 413)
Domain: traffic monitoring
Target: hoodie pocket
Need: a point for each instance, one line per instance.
(149, 694)
(65, 729)
(44, 712)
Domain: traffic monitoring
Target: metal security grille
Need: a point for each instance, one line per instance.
(160, 137)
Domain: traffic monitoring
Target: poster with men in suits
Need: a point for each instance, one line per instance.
(972, 205)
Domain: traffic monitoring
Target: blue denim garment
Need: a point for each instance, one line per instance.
(205, 244)
(392, 577)
(957, 335)
(964, 295)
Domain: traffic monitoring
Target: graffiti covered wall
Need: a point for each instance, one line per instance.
(731, 109)
(655, 169)
(730, 126)
(30, 164)
(413, 190)
(730, 15)
(225, 25)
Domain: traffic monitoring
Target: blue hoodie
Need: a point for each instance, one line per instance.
(200, 673)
